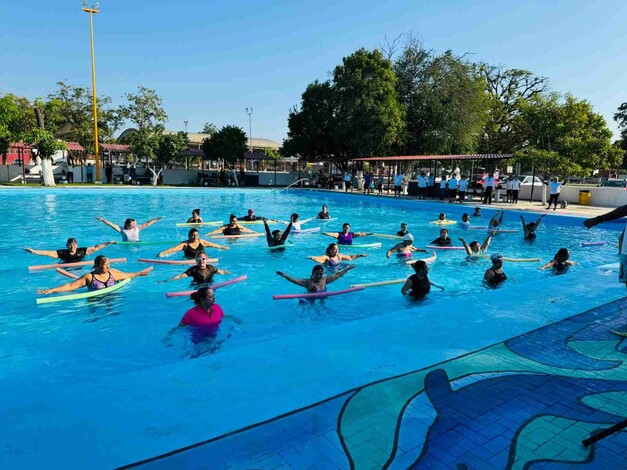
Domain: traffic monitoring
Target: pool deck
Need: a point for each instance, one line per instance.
(526, 402)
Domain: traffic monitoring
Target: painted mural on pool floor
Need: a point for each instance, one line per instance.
(524, 403)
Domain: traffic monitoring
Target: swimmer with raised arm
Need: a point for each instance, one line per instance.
(496, 220)
(418, 285)
(529, 229)
(345, 237)
(276, 238)
(101, 277)
(560, 261)
(473, 248)
(192, 246)
(295, 221)
(231, 229)
(405, 248)
(202, 273)
(332, 257)
(318, 281)
(130, 231)
(195, 218)
(72, 253)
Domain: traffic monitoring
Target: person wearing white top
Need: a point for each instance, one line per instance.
(462, 188)
(489, 187)
(442, 187)
(555, 188)
(452, 189)
(515, 189)
(398, 184)
(508, 190)
(347, 181)
(422, 185)
(431, 185)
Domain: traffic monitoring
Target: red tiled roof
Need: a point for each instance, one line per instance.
(75, 146)
(116, 148)
(475, 156)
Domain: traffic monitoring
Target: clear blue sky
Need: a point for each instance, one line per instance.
(211, 60)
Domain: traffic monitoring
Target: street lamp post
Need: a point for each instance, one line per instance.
(91, 11)
(249, 111)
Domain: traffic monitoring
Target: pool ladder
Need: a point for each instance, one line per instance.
(288, 187)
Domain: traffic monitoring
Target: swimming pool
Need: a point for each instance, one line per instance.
(98, 361)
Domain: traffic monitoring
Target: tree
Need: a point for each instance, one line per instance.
(229, 143)
(170, 148)
(443, 99)
(507, 90)
(621, 118)
(16, 119)
(310, 125)
(46, 145)
(566, 137)
(368, 117)
(209, 128)
(145, 111)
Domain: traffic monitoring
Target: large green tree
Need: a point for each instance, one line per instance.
(209, 128)
(566, 137)
(508, 90)
(443, 98)
(170, 148)
(145, 110)
(16, 119)
(228, 144)
(621, 118)
(368, 116)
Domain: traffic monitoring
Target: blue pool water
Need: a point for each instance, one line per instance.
(73, 343)
(129, 330)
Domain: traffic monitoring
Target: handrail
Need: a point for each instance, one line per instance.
(296, 182)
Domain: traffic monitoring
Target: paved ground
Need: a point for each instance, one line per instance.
(524, 403)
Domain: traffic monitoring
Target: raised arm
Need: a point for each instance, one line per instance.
(293, 280)
(540, 220)
(119, 275)
(208, 244)
(303, 222)
(269, 237)
(93, 249)
(149, 223)
(51, 253)
(286, 233)
(110, 224)
(80, 282)
(524, 225)
(339, 274)
(607, 217)
(486, 243)
(466, 246)
(169, 251)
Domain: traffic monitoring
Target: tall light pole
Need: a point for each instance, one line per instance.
(249, 111)
(91, 11)
(185, 124)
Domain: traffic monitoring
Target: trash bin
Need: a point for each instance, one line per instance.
(584, 197)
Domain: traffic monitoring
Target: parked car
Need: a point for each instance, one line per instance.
(614, 184)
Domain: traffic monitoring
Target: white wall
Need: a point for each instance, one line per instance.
(608, 197)
(10, 173)
(177, 176)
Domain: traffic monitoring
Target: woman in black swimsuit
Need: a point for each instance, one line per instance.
(232, 228)
(202, 273)
(418, 285)
(530, 228)
(195, 218)
(72, 254)
(560, 262)
(495, 275)
(192, 246)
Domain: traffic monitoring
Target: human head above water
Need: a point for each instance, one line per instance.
(562, 254)
(203, 294)
(294, 217)
(71, 241)
(332, 249)
(317, 271)
(496, 258)
(346, 227)
(232, 218)
(129, 224)
(442, 216)
(444, 233)
(100, 261)
(191, 233)
(420, 267)
(196, 212)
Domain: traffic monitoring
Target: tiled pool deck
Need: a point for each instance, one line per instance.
(523, 403)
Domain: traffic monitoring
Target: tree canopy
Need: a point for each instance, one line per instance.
(170, 148)
(229, 144)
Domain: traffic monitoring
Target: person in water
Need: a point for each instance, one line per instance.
(130, 232)
(418, 285)
(494, 276)
(443, 239)
(202, 273)
(496, 220)
(276, 238)
(333, 257)
(192, 246)
(345, 237)
(530, 228)
(206, 313)
(251, 217)
(465, 222)
(477, 212)
(405, 248)
(295, 221)
(101, 277)
(232, 228)
(72, 253)
(403, 231)
(195, 218)
(318, 281)
(560, 262)
(324, 213)
(473, 248)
